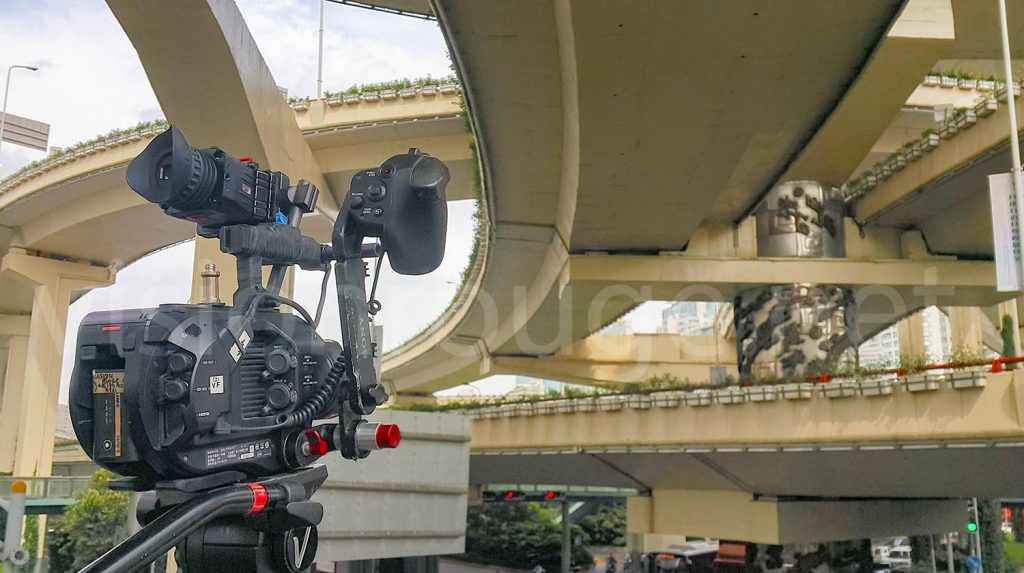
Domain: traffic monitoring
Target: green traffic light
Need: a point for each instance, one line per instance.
(972, 527)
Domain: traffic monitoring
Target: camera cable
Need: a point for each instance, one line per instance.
(373, 305)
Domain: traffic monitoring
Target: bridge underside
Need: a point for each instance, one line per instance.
(887, 471)
(872, 439)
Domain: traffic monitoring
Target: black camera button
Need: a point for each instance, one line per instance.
(376, 192)
(180, 362)
(357, 202)
(175, 390)
(378, 211)
(386, 171)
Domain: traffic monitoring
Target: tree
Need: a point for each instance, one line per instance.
(94, 523)
(990, 520)
(519, 536)
(606, 526)
(1006, 332)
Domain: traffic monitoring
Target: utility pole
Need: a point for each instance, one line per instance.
(320, 56)
(1018, 176)
(949, 554)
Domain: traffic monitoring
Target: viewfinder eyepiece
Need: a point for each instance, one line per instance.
(205, 186)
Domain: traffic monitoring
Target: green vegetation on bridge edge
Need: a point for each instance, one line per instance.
(959, 359)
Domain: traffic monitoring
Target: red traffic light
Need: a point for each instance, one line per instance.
(554, 495)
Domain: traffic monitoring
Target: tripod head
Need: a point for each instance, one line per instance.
(220, 525)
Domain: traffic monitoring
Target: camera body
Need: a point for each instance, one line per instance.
(185, 390)
(214, 393)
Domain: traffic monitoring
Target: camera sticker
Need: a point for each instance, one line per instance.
(217, 384)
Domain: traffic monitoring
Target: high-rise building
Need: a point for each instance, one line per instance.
(937, 342)
(881, 350)
(690, 318)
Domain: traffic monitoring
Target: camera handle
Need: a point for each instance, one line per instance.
(350, 274)
(173, 512)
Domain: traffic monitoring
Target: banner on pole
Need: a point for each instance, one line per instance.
(1005, 233)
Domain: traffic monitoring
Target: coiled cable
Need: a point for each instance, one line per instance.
(304, 414)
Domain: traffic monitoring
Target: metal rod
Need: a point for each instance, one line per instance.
(931, 550)
(949, 554)
(566, 538)
(977, 532)
(1018, 177)
(320, 56)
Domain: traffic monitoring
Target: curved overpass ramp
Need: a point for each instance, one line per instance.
(611, 141)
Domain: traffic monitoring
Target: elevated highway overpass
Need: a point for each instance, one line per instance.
(614, 169)
(606, 202)
(773, 464)
(554, 170)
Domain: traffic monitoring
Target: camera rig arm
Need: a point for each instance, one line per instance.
(403, 203)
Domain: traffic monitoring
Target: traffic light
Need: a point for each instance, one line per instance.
(972, 516)
(508, 495)
(513, 495)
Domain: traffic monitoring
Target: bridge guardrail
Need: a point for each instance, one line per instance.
(46, 487)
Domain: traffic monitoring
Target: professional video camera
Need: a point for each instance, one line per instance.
(221, 410)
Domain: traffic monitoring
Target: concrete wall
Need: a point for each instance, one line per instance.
(403, 502)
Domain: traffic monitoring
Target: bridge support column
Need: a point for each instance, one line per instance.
(35, 406)
(796, 329)
(911, 334)
(965, 328)
(709, 513)
(10, 400)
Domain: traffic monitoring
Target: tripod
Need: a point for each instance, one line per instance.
(221, 524)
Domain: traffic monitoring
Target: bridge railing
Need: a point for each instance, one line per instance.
(46, 487)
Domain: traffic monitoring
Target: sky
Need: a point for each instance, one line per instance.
(90, 80)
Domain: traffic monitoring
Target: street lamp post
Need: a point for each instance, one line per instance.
(3, 113)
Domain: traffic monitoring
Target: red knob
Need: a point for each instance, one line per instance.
(388, 436)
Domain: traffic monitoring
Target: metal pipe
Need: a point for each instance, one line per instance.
(1018, 176)
(14, 554)
(976, 536)
(3, 113)
(931, 550)
(949, 554)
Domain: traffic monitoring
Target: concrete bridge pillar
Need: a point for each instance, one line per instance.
(26, 449)
(911, 335)
(965, 328)
(793, 329)
(10, 399)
